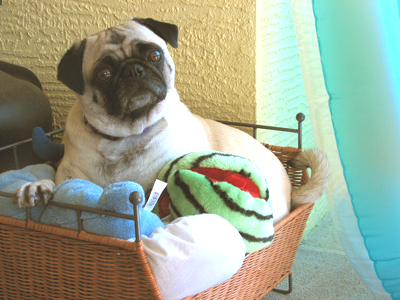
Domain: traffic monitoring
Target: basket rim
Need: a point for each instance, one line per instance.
(83, 235)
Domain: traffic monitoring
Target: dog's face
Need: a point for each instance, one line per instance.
(123, 76)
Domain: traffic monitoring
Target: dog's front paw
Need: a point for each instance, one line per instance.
(33, 193)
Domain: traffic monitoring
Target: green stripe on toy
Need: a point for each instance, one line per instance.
(223, 184)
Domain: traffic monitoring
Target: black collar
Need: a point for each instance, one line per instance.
(106, 136)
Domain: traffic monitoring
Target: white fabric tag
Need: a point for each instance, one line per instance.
(155, 194)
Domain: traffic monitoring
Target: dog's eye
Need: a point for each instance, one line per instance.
(155, 56)
(104, 75)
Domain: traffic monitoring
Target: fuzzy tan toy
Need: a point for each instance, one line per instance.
(218, 183)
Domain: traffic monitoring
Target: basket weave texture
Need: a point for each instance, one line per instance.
(39, 261)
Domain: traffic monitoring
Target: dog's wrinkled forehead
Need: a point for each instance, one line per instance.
(121, 40)
(127, 33)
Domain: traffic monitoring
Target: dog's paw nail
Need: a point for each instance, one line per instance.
(45, 198)
(32, 201)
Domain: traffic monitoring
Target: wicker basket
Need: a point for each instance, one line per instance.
(39, 261)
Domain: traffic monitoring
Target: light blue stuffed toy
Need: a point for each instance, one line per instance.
(114, 197)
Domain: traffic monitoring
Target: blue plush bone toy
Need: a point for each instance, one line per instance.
(114, 197)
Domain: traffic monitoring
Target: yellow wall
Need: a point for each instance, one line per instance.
(215, 60)
(237, 60)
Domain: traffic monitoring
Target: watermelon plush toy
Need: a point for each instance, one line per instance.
(218, 183)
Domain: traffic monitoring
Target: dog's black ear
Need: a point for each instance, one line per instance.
(70, 67)
(168, 32)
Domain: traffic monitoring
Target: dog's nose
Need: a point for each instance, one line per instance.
(135, 70)
(139, 70)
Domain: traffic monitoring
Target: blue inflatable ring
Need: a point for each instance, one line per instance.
(359, 44)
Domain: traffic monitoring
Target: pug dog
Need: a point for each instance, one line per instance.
(128, 120)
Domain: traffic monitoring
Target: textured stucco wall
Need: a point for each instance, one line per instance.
(215, 60)
(280, 90)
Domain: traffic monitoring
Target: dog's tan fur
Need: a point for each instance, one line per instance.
(166, 131)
